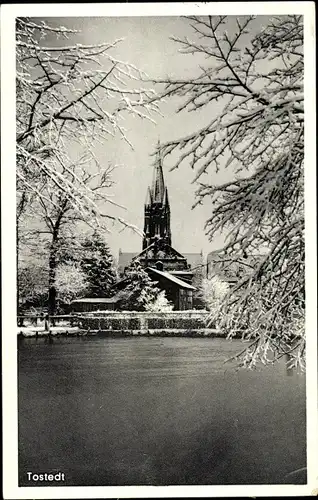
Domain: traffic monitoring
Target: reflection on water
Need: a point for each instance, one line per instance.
(156, 411)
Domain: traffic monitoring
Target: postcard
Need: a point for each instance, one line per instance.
(159, 250)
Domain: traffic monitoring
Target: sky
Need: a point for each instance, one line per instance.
(147, 44)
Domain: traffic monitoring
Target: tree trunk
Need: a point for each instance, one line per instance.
(17, 267)
(52, 273)
(53, 257)
(20, 209)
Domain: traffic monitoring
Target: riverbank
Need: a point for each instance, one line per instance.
(40, 331)
(126, 324)
(25, 332)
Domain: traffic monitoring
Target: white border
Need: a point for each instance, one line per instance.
(9, 356)
(311, 245)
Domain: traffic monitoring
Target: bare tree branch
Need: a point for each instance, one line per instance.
(259, 135)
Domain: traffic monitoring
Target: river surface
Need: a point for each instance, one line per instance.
(156, 411)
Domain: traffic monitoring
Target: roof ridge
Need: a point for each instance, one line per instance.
(173, 278)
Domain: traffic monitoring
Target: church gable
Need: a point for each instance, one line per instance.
(160, 249)
(171, 259)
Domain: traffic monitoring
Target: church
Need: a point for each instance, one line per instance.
(177, 274)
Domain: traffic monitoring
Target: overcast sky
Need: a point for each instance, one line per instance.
(148, 46)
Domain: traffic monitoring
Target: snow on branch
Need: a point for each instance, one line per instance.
(70, 97)
(256, 78)
(263, 95)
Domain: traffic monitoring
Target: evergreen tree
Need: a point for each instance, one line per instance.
(139, 291)
(98, 265)
(70, 249)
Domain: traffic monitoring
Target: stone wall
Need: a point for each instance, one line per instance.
(128, 322)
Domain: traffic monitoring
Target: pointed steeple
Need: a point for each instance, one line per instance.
(165, 202)
(148, 198)
(158, 185)
(157, 208)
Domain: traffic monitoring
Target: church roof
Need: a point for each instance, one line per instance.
(194, 259)
(167, 248)
(170, 277)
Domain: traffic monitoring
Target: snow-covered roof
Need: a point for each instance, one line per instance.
(195, 260)
(96, 300)
(170, 277)
(166, 249)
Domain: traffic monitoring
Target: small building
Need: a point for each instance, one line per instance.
(178, 291)
(94, 304)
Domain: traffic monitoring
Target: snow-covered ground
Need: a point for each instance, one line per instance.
(30, 331)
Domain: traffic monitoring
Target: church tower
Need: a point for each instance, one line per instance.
(157, 208)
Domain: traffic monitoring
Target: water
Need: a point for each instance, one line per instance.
(153, 411)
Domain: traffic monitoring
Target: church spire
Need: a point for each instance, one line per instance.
(157, 208)
(158, 185)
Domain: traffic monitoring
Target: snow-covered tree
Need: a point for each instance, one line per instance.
(69, 97)
(253, 77)
(139, 290)
(97, 263)
(33, 286)
(70, 282)
(213, 290)
(160, 304)
(51, 218)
